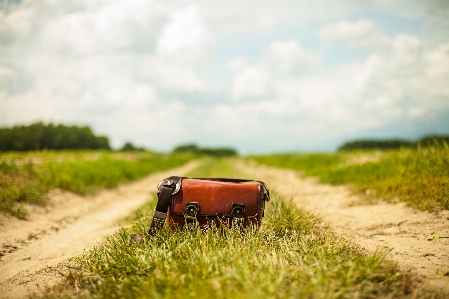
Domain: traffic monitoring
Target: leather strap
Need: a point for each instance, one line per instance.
(164, 198)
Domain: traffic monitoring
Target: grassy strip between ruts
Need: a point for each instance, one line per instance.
(26, 177)
(289, 257)
(419, 177)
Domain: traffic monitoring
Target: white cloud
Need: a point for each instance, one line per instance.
(134, 69)
(242, 18)
(363, 32)
(173, 77)
(7, 73)
(16, 24)
(112, 27)
(250, 82)
(287, 57)
(389, 85)
(238, 63)
(438, 62)
(8, 78)
(185, 33)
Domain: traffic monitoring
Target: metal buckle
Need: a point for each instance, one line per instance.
(169, 183)
(192, 209)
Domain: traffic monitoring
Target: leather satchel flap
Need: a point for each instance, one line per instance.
(216, 198)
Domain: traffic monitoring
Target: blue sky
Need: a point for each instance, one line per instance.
(260, 76)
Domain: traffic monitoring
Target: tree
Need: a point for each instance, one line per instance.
(38, 136)
(215, 152)
(376, 144)
(187, 148)
(128, 147)
(430, 140)
(434, 140)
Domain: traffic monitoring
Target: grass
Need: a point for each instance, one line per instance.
(291, 256)
(419, 177)
(26, 177)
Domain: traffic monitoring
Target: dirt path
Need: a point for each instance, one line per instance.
(65, 229)
(417, 241)
(29, 249)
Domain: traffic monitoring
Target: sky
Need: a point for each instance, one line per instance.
(258, 76)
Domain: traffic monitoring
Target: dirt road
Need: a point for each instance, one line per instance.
(417, 241)
(65, 229)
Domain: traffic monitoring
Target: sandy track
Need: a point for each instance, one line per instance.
(29, 249)
(410, 236)
(65, 229)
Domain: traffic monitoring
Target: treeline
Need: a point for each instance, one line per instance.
(214, 152)
(433, 140)
(39, 136)
(129, 147)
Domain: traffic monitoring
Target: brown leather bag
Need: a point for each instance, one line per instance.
(209, 201)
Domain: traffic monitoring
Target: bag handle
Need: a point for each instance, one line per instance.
(167, 187)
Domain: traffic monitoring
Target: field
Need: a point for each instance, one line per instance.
(293, 255)
(26, 177)
(418, 177)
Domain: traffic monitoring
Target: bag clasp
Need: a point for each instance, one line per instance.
(192, 209)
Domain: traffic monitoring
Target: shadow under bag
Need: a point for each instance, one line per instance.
(209, 201)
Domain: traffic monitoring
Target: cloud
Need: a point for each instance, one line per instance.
(288, 57)
(243, 75)
(185, 32)
(281, 61)
(243, 18)
(249, 82)
(113, 27)
(438, 8)
(168, 75)
(363, 32)
(15, 25)
(397, 80)
(8, 78)
(87, 46)
(438, 62)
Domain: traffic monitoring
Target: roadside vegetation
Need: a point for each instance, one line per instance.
(419, 177)
(217, 152)
(291, 256)
(40, 136)
(26, 177)
(370, 144)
